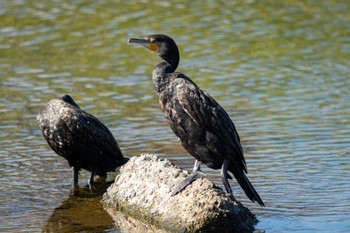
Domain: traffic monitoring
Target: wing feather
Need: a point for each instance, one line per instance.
(208, 114)
(90, 130)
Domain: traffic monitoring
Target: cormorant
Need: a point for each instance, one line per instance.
(80, 138)
(202, 125)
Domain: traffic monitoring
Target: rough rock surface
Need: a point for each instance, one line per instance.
(143, 190)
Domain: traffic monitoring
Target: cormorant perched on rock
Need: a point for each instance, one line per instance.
(80, 138)
(204, 128)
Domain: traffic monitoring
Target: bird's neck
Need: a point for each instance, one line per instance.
(165, 68)
(162, 72)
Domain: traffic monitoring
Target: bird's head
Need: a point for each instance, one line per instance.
(163, 45)
(69, 100)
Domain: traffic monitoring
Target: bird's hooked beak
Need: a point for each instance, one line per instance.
(144, 42)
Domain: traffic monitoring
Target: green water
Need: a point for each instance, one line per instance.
(279, 68)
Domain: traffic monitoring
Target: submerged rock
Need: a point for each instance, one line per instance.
(143, 190)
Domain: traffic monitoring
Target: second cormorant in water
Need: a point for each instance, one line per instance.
(80, 138)
(204, 128)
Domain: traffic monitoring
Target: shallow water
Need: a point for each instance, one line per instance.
(279, 68)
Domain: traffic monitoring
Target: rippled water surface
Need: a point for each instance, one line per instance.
(280, 69)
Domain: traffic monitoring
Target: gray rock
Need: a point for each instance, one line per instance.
(143, 190)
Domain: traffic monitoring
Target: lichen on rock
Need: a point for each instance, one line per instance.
(143, 190)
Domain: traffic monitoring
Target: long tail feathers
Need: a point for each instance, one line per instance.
(247, 187)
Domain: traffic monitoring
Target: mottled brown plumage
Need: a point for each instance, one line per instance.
(79, 137)
(204, 128)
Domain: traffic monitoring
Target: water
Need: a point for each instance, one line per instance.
(279, 68)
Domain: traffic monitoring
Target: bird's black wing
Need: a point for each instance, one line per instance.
(208, 114)
(90, 130)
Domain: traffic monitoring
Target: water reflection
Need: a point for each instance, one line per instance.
(82, 211)
(126, 223)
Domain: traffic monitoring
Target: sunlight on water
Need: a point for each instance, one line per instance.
(279, 68)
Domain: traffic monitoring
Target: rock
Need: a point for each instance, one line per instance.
(143, 190)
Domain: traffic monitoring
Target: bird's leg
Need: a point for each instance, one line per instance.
(91, 180)
(75, 177)
(197, 166)
(224, 177)
(196, 174)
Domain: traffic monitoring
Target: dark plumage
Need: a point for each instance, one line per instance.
(204, 128)
(79, 137)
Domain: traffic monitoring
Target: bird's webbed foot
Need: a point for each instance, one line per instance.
(188, 180)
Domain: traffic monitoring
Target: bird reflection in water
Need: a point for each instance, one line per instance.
(81, 212)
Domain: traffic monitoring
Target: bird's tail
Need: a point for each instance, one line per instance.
(247, 187)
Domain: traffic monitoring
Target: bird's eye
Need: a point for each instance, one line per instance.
(152, 40)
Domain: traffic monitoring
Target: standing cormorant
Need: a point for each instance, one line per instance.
(204, 128)
(80, 138)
